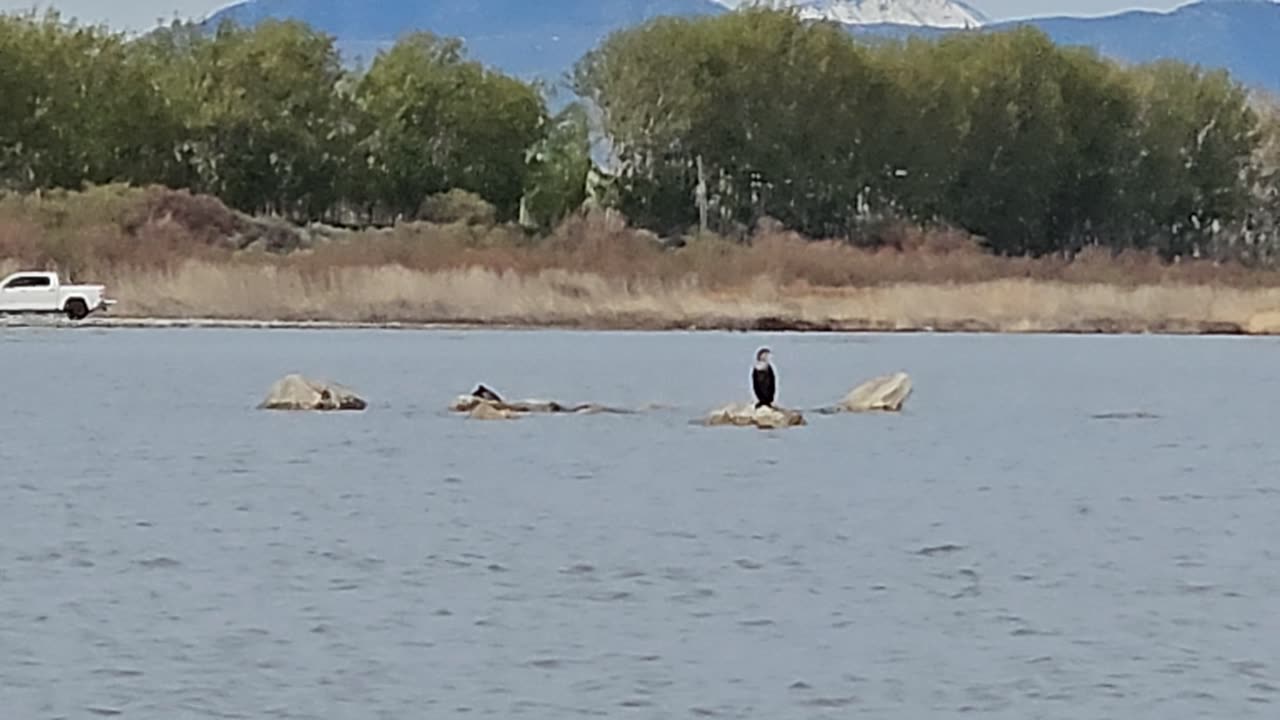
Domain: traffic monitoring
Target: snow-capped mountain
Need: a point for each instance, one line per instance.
(544, 38)
(923, 13)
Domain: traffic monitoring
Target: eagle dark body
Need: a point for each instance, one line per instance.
(765, 385)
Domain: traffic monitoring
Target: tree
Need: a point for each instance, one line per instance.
(645, 84)
(726, 110)
(559, 165)
(1093, 199)
(1197, 135)
(1007, 160)
(268, 129)
(79, 108)
(438, 121)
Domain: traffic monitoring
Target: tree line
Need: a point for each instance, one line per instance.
(1034, 147)
(711, 122)
(269, 120)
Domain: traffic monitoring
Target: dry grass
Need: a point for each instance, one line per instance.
(566, 298)
(171, 255)
(605, 246)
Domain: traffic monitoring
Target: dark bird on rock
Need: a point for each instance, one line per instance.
(763, 380)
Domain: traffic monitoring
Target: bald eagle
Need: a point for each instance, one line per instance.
(763, 381)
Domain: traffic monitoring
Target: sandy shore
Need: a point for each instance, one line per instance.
(101, 321)
(1097, 326)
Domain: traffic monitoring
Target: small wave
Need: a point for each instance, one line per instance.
(159, 563)
(832, 702)
(616, 596)
(118, 672)
(935, 550)
(1135, 415)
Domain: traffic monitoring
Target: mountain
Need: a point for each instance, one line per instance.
(926, 13)
(527, 38)
(543, 39)
(1239, 35)
(1242, 36)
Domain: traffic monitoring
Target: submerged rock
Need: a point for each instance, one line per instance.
(467, 403)
(295, 392)
(483, 397)
(491, 411)
(471, 403)
(886, 393)
(748, 415)
(482, 404)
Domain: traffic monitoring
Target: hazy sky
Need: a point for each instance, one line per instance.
(142, 14)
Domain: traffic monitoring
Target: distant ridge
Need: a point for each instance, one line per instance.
(526, 38)
(1242, 36)
(544, 39)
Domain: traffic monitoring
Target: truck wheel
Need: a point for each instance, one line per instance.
(77, 309)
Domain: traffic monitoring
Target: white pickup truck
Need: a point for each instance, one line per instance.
(43, 292)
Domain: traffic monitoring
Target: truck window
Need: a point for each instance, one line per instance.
(26, 282)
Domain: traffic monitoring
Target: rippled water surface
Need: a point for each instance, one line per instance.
(167, 551)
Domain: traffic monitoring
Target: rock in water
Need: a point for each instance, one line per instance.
(484, 397)
(467, 403)
(472, 404)
(770, 418)
(295, 392)
(748, 415)
(887, 393)
(492, 411)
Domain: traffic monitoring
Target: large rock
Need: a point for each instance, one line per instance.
(295, 392)
(885, 393)
(748, 415)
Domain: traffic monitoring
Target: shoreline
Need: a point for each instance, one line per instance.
(1096, 326)
(391, 297)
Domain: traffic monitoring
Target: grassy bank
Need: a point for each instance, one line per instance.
(170, 255)
(576, 299)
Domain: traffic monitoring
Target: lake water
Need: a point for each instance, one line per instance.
(167, 551)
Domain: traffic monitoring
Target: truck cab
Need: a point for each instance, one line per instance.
(29, 292)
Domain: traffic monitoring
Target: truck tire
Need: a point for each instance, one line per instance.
(77, 309)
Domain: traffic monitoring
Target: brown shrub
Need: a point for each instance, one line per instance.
(114, 230)
(206, 219)
(457, 206)
(19, 240)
